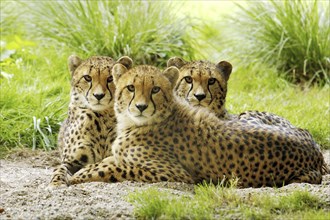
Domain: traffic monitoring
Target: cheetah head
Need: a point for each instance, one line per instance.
(202, 83)
(143, 94)
(92, 81)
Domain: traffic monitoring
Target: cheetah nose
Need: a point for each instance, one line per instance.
(141, 107)
(200, 97)
(99, 96)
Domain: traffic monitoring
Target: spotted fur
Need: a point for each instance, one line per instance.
(167, 140)
(86, 135)
(203, 84)
(256, 117)
(194, 86)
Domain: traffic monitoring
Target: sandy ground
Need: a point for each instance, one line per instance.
(24, 177)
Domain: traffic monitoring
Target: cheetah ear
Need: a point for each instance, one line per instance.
(177, 62)
(172, 74)
(225, 69)
(126, 61)
(117, 71)
(73, 62)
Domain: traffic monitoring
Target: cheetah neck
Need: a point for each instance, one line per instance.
(196, 116)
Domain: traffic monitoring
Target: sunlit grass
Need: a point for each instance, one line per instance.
(153, 204)
(209, 202)
(33, 100)
(293, 36)
(257, 87)
(9, 19)
(149, 31)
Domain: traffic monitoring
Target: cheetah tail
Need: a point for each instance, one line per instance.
(325, 169)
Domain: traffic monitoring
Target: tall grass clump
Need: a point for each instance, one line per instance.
(33, 94)
(148, 31)
(31, 108)
(8, 18)
(293, 36)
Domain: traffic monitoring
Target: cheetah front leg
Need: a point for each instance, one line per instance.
(59, 177)
(108, 171)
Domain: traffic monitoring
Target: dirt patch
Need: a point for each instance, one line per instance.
(24, 177)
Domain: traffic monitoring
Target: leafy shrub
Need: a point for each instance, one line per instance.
(145, 30)
(292, 35)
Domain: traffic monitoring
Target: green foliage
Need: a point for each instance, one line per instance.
(297, 201)
(154, 204)
(293, 204)
(293, 36)
(150, 32)
(258, 87)
(210, 201)
(9, 18)
(31, 107)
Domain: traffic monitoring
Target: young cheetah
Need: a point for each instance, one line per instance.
(86, 135)
(163, 139)
(204, 84)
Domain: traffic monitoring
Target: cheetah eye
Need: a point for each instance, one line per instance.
(155, 89)
(211, 81)
(188, 79)
(131, 88)
(109, 79)
(88, 78)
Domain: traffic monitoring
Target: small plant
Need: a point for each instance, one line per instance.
(153, 204)
(297, 203)
(292, 35)
(145, 30)
(44, 136)
(150, 204)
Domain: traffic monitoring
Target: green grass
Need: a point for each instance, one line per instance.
(34, 94)
(154, 204)
(297, 203)
(164, 205)
(9, 19)
(257, 87)
(148, 31)
(293, 36)
(209, 202)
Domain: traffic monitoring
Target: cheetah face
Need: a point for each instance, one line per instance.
(143, 94)
(92, 81)
(202, 83)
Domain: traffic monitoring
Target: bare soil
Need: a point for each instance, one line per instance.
(24, 177)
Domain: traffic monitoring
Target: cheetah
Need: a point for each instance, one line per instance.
(204, 84)
(161, 138)
(86, 135)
